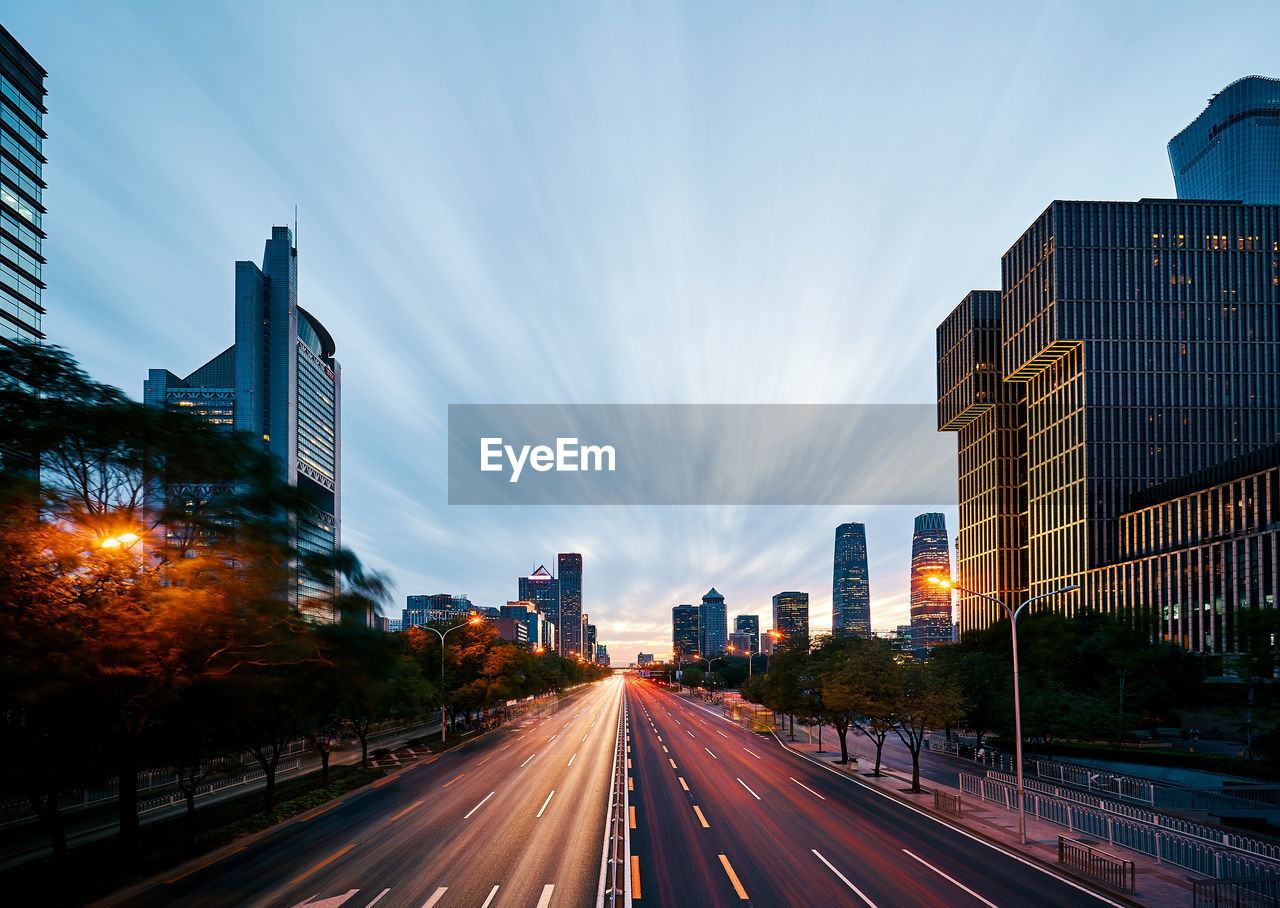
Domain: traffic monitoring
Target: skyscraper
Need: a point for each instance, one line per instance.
(1232, 150)
(543, 591)
(21, 192)
(686, 632)
(850, 588)
(930, 604)
(1134, 347)
(791, 614)
(279, 382)
(570, 571)
(715, 624)
(750, 625)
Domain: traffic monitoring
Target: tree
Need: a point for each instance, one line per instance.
(923, 698)
(855, 678)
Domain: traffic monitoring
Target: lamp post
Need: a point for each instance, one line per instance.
(776, 635)
(442, 636)
(698, 658)
(947, 584)
(734, 649)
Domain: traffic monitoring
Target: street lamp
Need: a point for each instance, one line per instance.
(734, 649)
(948, 584)
(698, 658)
(118, 541)
(442, 636)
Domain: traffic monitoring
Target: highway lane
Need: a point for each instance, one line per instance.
(514, 818)
(724, 816)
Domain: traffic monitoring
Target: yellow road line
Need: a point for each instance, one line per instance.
(406, 810)
(182, 876)
(631, 784)
(635, 877)
(701, 818)
(733, 878)
(337, 854)
(454, 779)
(318, 812)
(631, 812)
(683, 783)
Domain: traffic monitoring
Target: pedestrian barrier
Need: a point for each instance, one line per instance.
(615, 874)
(1098, 864)
(208, 788)
(1229, 856)
(947, 803)
(1261, 892)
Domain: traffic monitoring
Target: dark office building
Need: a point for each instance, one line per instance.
(749, 625)
(791, 614)
(438, 607)
(278, 382)
(570, 570)
(1232, 150)
(930, 603)
(543, 591)
(1143, 343)
(686, 632)
(714, 623)
(21, 192)
(851, 588)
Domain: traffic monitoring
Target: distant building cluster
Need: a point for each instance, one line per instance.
(1117, 400)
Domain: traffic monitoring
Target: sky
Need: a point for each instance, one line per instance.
(593, 203)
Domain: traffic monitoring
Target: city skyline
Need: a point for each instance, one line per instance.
(415, 266)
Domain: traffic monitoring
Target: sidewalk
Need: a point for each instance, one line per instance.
(1158, 884)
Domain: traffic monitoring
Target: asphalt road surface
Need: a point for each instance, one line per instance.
(723, 816)
(514, 818)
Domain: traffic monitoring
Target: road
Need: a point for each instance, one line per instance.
(516, 817)
(726, 817)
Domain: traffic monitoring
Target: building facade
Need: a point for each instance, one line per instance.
(686, 632)
(851, 587)
(740, 644)
(540, 633)
(444, 608)
(715, 624)
(791, 614)
(930, 603)
(749, 625)
(22, 187)
(543, 591)
(1232, 150)
(570, 580)
(279, 382)
(1144, 341)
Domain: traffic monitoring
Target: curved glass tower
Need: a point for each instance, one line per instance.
(1232, 150)
(850, 587)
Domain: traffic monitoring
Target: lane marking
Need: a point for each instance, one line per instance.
(664, 749)
(484, 761)
(545, 803)
(713, 756)
(719, 732)
(477, 807)
(757, 756)
(501, 749)
(631, 784)
(806, 788)
(545, 900)
(403, 812)
(631, 816)
(377, 898)
(526, 762)
(183, 876)
(435, 897)
(318, 812)
(669, 760)
(337, 854)
(571, 759)
(689, 733)
(733, 878)
(949, 879)
(683, 783)
(748, 788)
(492, 893)
(584, 737)
(635, 877)
(844, 878)
(552, 738)
(454, 779)
(701, 818)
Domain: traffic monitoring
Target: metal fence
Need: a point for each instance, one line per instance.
(1230, 856)
(1263, 892)
(208, 788)
(1098, 864)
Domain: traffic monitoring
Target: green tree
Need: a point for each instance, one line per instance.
(923, 698)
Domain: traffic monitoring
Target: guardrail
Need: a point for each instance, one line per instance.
(208, 788)
(1231, 856)
(615, 874)
(1262, 892)
(1098, 864)
(947, 803)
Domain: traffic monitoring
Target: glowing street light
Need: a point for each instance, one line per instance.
(476, 620)
(948, 584)
(118, 541)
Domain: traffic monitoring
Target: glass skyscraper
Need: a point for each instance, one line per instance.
(570, 570)
(791, 614)
(749, 625)
(850, 588)
(543, 591)
(930, 603)
(1135, 344)
(21, 192)
(686, 631)
(1232, 150)
(280, 383)
(714, 624)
